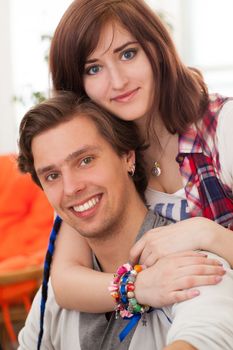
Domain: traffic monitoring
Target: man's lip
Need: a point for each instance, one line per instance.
(76, 204)
(86, 213)
(125, 95)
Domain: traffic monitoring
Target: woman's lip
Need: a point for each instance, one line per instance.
(126, 96)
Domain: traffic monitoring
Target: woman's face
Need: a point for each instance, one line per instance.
(118, 74)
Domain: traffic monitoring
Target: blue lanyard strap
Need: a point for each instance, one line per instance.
(133, 321)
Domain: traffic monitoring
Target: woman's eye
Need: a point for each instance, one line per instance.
(93, 70)
(129, 54)
(86, 161)
(51, 177)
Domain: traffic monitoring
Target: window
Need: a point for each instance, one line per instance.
(203, 33)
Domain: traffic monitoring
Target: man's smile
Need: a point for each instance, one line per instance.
(87, 207)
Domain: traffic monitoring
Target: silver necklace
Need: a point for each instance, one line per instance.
(156, 168)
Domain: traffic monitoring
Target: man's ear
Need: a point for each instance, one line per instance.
(131, 159)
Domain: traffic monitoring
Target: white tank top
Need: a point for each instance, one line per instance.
(171, 206)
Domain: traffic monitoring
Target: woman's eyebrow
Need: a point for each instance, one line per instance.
(117, 49)
(122, 47)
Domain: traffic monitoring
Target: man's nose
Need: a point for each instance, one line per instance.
(72, 184)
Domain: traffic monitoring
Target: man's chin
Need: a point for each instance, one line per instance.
(89, 235)
(85, 229)
(93, 232)
(95, 227)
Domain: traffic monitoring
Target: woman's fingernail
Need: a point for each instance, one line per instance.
(218, 278)
(203, 254)
(195, 293)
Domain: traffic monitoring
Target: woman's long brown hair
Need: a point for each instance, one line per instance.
(180, 94)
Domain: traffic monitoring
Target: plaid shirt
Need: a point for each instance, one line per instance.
(199, 164)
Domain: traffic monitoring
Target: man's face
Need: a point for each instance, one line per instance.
(84, 179)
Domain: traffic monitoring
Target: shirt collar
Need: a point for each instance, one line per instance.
(190, 141)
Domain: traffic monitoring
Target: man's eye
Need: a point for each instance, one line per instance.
(93, 70)
(51, 177)
(129, 54)
(86, 161)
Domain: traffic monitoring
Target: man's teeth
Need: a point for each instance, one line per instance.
(88, 205)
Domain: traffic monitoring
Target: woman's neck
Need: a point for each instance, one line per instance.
(158, 133)
(163, 148)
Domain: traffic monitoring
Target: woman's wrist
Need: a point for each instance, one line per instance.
(211, 236)
(206, 236)
(218, 240)
(141, 290)
(123, 290)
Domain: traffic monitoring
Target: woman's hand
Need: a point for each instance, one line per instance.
(191, 234)
(169, 280)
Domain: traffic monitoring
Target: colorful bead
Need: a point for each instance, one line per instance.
(130, 287)
(115, 295)
(116, 279)
(138, 268)
(122, 290)
(132, 279)
(137, 308)
(133, 301)
(130, 295)
(122, 269)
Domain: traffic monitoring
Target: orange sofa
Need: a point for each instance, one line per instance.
(26, 219)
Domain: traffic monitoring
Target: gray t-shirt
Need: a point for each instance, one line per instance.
(101, 331)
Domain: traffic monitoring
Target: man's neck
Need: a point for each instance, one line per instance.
(113, 252)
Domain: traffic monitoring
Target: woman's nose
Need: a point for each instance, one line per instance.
(118, 78)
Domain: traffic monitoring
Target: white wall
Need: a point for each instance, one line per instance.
(7, 116)
(22, 65)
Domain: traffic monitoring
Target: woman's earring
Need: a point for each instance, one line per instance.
(132, 170)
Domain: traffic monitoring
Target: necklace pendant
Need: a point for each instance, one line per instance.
(156, 170)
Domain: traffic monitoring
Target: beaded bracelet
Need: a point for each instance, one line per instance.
(122, 290)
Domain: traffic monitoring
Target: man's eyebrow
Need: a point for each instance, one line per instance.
(69, 158)
(41, 171)
(118, 49)
(80, 152)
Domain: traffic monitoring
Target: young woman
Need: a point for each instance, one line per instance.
(119, 54)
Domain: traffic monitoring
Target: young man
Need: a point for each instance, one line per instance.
(84, 159)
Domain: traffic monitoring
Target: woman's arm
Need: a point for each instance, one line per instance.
(195, 233)
(219, 241)
(76, 285)
(180, 345)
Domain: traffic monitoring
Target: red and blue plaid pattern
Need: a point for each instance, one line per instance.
(200, 168)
